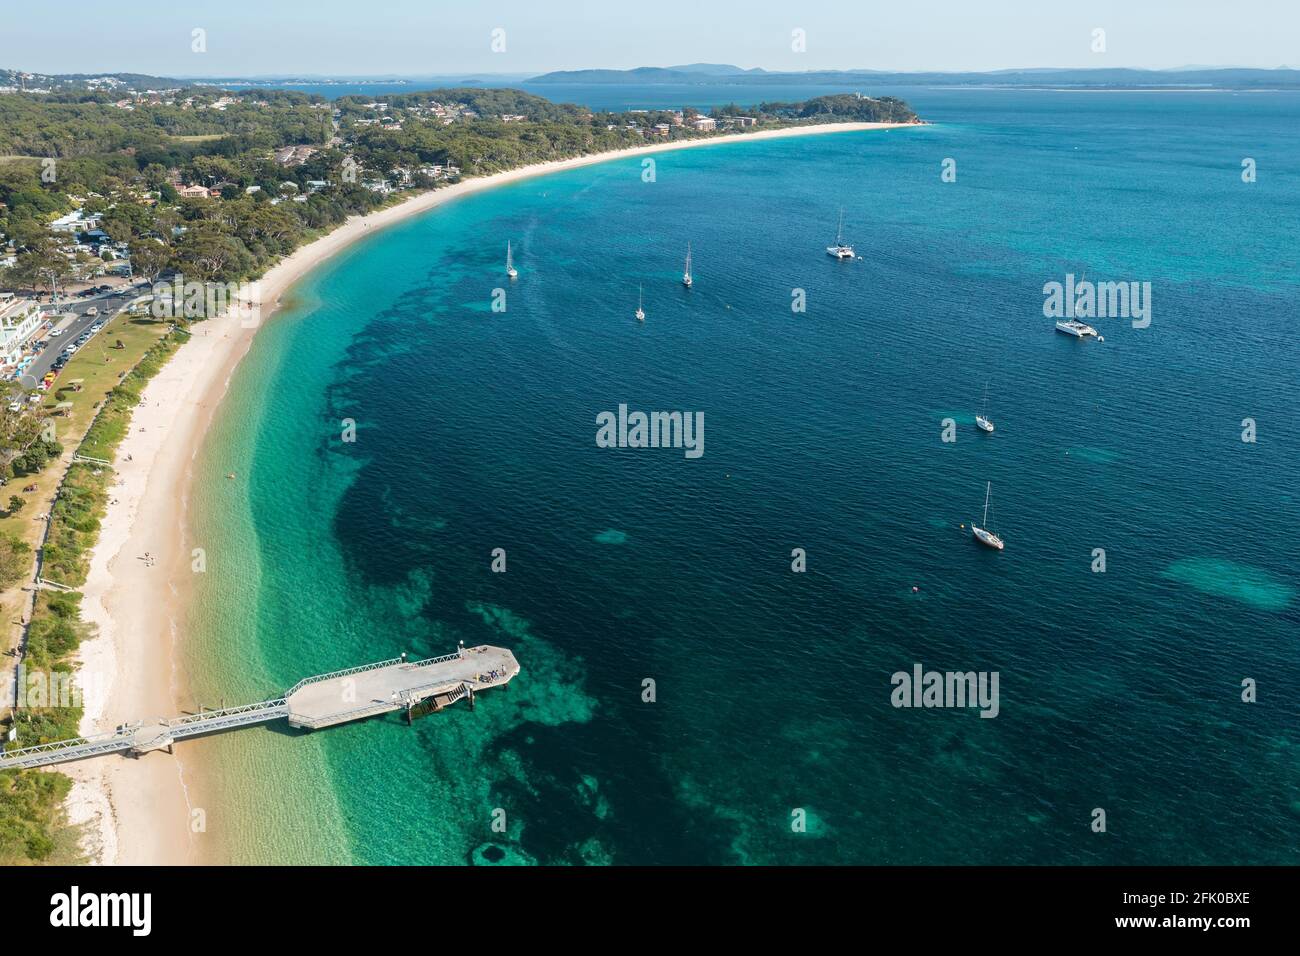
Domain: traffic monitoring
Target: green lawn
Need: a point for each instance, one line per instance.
(98, 365)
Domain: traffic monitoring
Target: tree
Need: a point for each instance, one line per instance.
(149, 258)
(126, 221)
(43, 265)
(207, 253)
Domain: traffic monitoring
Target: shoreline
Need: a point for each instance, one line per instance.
(138, 811)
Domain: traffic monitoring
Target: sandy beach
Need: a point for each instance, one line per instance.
(138, 811)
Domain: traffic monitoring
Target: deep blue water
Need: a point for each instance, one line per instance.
(1118, 690)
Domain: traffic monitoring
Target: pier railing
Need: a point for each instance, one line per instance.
(213, 720)
(107, 740)
(369, 667)
(343, 673)
(191, 725)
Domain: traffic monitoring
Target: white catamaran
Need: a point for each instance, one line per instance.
(984, 535)
(511, 271)
(982, 419)
(686, 276)
(841, 250)
(640, 312)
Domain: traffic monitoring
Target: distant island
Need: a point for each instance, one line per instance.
(713, 74)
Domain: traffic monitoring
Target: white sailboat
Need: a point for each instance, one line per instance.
(841, 250)
(640, 312)
(511, 271)
(984, 535)
(686, 276)
(982, 419)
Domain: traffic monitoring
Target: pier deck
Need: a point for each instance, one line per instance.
(377, 689)
(313, 703)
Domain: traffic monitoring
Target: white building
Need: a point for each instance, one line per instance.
(19, 318)
(75, 222)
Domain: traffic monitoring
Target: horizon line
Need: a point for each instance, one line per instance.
(531, 73)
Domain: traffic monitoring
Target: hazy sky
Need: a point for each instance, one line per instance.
(429, 37)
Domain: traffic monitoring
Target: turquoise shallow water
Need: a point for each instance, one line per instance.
(475, 431)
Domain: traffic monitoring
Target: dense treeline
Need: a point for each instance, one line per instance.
(68, 125)
(844, 107)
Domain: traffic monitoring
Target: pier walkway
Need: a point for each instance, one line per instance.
(313, 703)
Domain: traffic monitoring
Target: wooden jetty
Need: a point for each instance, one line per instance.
(322, 701)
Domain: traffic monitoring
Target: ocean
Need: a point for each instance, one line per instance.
(771, 737)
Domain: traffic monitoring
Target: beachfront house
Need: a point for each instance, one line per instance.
(704, 123)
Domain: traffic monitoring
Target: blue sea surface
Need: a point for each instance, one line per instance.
(685, 696)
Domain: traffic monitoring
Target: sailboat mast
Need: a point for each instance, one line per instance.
(987, 492)
(839, 232)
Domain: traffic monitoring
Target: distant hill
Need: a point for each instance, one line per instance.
(73, 82)
(704, 73)
(714, 69)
